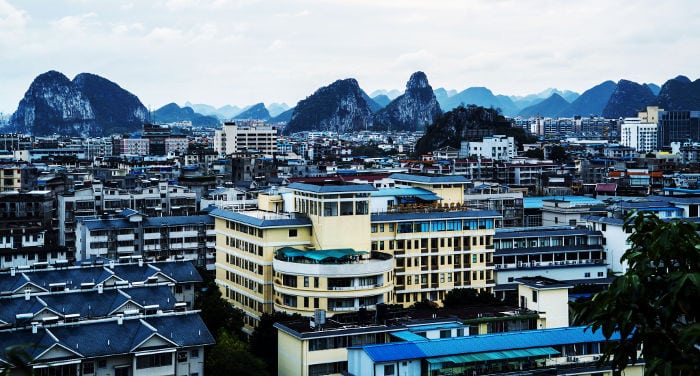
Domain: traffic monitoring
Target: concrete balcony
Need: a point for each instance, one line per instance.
(377, 264)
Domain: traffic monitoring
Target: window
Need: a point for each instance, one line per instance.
(346, 208)
(534, 296)
(388, 369)
(330, 209)
(600, 274)
(587, 275)
(361, 207)
(182, 356)
(194, 353)
(155, 360)
(292, 233)
(306, 281)
(88, 368)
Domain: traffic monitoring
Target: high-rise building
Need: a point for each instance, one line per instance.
(233, 138)
(639, 135)
(324, 247)
(678, 126)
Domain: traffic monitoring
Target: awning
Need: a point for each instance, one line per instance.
(494, 355)
(429, 197)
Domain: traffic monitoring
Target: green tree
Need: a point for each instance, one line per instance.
(19, 360)
(558, 154)
(656, 303)
(230, 356)
(535, 153)
(217, 313)
(458, 298)
(263, 342)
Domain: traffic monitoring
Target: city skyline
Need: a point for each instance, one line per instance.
(244, 52)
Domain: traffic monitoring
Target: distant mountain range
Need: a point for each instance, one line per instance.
(343, 107)
(91, 105)
(171, 113)
(254, 112)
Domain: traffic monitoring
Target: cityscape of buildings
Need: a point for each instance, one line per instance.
(102, 241)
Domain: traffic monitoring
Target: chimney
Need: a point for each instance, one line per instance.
(120, 319)
(100, 288)
(13, 271)
(140, 262)
(35, 327)
(27, 294)
(111, 264)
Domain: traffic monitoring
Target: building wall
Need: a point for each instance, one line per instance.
(291, 355)
(431, 263)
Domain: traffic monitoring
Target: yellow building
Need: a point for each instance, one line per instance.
(11, 178)
(321, 247)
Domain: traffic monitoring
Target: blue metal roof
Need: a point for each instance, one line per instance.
(408, 336)
(73, 277)
(260, 222)
(483, 343)
(108, 338)
(441, 179)
(536, 202)
(178, 220)
(386, 217)
(408, 191)
(347, 188)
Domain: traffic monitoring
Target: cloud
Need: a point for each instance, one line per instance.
(76, 22)
(12, 20)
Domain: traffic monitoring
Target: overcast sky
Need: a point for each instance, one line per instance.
(243, 52)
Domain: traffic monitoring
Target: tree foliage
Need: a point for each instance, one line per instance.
(468, 123)
(263, 342)
(535, 153)
(458, 298)
(216, 312)
(656, 303)
(230, 356)
(558, 154)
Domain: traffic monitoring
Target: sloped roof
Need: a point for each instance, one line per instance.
(345, 188)
(442, 179)
(483, 343)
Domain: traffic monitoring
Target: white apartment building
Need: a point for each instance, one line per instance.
(497, 147)
(638, 135)
(233, 138)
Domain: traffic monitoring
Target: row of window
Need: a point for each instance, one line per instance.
(454, 244)
(443, 260)
(244, 245)
(244, 282)
(239, 227)
(244, 264)
(244, 300)
(332, 208)
(445, 225)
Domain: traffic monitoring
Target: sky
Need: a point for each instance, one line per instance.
(243, 52)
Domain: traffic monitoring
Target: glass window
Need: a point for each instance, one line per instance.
(361, 207)
(330, 209)
(388, 369)
(346, 208)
